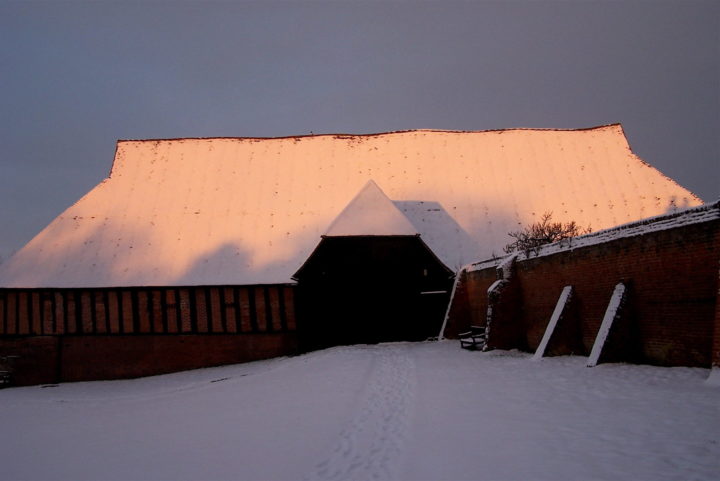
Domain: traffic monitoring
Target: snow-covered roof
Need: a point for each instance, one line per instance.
(693, 215)
(371, 213)
(250, 211)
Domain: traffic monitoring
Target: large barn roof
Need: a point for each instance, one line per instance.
(250, 211)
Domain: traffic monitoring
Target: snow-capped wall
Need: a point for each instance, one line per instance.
(668, 266)
(686, 217)
(250, 211)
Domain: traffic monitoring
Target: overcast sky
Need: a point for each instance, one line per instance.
(77, 76)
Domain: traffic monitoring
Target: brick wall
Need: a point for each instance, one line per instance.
(672, 315)
(469, 306)
(52, 359)
(716, 333)
(87, 334)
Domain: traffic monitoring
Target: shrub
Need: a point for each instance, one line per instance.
(531, 238)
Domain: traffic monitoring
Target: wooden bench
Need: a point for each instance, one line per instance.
(474, 338)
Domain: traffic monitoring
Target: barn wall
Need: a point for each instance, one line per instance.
(85, 334)
(672, 316)
(147, 310)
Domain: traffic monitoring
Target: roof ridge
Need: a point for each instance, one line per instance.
(377, 134)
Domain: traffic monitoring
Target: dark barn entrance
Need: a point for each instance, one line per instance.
(369, 289)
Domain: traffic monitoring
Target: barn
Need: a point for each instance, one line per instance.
(197, 252)
(373, 270)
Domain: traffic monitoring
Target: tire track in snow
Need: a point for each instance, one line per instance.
(371, 446)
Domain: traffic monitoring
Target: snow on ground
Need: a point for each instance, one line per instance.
(390, 411)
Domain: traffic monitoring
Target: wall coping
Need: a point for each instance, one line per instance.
(693, 215)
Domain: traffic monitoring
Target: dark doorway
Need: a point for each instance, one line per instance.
(369, 289)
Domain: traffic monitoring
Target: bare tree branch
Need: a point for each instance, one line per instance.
(531, 238)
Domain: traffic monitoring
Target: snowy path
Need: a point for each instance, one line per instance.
(371, 446)
(406, 411)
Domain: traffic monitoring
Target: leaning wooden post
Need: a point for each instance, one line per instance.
(560, 307)
(611, 314)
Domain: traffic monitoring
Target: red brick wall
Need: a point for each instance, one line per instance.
(672, 309)
(504, 326)
(87, 334)
(37, 358)
(52, 359)
(469, 305)
(86, 358)
(716, 334)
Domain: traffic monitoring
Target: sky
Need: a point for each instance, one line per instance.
(78, 76)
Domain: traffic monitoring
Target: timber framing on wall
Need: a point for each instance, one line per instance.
(75, 334)
(147, 310)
